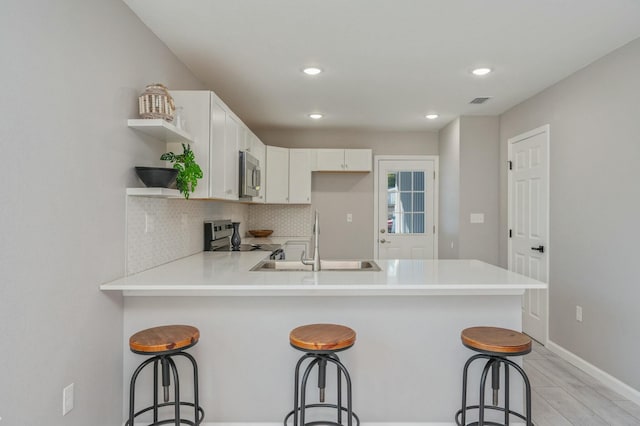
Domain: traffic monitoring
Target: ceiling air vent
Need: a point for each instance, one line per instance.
(479, 100)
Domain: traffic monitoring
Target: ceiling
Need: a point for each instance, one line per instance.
(386, 63)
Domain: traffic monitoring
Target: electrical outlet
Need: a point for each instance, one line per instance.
(67, 399)
(349, 217)
(149, 222)
(578, 313)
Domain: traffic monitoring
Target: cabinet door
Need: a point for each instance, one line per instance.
(244, 138)
(195, 105)
(231, 158)
(299, 176)
(277, 175)
(217, 162)
(329, 160)
(357, 160)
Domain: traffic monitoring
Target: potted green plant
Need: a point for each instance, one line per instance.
(188, 170)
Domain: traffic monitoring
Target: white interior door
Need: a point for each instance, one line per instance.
(529, 223)
(405, 198)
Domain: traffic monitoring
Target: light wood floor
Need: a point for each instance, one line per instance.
(564, 395)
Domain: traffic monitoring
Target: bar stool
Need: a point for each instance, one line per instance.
(164, 343)
(495, 345)
(320, 342)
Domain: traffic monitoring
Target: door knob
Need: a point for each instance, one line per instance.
(384, 241)
(539, 248)
(382, 230)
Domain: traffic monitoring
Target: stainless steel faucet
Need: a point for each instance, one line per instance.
(315, 260)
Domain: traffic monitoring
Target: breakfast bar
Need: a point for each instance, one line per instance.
(406, 363)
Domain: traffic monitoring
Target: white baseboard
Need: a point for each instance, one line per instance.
(608, 380)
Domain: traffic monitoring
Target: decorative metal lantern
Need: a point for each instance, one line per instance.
(156, 102)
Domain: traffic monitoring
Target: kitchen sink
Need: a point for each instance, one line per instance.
(325, 265)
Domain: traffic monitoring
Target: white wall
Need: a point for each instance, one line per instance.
(595, 205)
(335, 195)
(70, 76)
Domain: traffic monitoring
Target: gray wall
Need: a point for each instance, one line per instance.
(70, 76)
(469, 173)
(595, 205)
(335, 195)
(479, 183)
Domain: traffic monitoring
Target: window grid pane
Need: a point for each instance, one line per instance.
(406, 202)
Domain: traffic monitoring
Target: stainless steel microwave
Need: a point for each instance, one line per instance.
(250, 176)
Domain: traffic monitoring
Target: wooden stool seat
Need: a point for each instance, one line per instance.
(494, 340)
(322, 337)
(164, 338)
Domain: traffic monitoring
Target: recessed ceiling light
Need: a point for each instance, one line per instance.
(312, 71)
(431, 116)
(481, 71)
(316, 116)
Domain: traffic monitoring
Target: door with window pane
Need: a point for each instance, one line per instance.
(405, 211)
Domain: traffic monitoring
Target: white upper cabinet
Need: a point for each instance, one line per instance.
(232, 134)
(215, 131)
(217, 159)
(277, 175)
(358, 160)
(288, 175)
(196, 108)
(341, 160)
(299, 176)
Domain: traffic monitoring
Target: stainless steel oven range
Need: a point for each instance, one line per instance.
(217, 237)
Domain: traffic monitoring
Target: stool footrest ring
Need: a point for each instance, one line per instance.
(487, 423)
(322, 422)
(170, 421)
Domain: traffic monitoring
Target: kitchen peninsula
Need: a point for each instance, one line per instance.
(406, 364)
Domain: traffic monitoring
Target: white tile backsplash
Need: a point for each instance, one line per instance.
(285, 220)
(161, 230)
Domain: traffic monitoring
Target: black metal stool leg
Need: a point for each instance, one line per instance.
(155, 390)
(176, 391)
(462, 413)
(483, 385)
(198, 412)
(507, 410)
(303, 389)
(339, 391)
(341, 368)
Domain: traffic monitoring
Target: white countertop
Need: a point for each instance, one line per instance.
(227, 274)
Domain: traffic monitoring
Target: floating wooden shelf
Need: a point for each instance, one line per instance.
(160, 129)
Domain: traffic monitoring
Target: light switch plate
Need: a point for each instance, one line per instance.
(67, 399)
(476, 218)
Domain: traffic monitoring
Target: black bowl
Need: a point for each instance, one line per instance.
(157, 177)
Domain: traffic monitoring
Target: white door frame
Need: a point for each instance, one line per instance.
(436, 199)
(546, 130)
